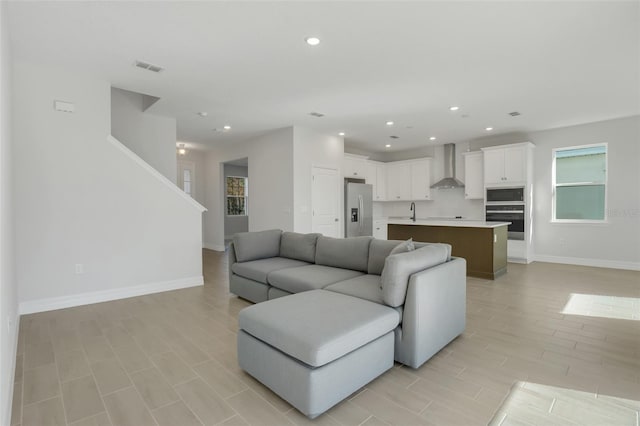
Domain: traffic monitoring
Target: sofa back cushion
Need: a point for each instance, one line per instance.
(447, 246)
(398, 268)
(299, 246)
(378, 252)
(347, 253)
(257, 245)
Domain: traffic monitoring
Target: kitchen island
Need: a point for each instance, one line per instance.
(482, 244)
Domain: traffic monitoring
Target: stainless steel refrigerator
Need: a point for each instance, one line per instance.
(358, 204)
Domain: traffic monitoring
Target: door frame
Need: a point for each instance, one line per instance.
(339, 190)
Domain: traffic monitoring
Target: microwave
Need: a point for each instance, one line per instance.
(508, 195)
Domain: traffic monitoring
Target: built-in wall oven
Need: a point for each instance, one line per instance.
(507, 205)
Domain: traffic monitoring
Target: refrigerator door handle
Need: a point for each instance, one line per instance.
(360, 211)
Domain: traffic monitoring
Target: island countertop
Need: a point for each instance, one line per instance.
(462, 223)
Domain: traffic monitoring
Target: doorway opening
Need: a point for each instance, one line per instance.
(235, 187)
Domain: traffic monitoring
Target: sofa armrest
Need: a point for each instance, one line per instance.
(434, 312)
(232, 258)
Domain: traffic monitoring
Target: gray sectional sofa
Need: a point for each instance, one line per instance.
(426, 287)
(335, 313)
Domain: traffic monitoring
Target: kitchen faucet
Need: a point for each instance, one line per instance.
(413, 209)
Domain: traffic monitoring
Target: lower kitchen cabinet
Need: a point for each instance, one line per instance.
(380, 229)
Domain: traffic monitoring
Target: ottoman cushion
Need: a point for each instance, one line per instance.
(317, 327)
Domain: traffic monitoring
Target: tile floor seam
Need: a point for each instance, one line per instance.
(55, 361)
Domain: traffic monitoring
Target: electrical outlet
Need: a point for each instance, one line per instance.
(79, 268)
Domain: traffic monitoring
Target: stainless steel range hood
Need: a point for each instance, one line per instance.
(449, 180)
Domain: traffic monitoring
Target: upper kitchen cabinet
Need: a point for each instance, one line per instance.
(473, 175)
(354, 166)
(377, 176)
(398, 181)
(506, 164)
(421, 180)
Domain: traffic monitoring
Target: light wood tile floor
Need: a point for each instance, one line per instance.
(527, 357)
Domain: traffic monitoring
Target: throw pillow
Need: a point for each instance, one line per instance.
(403, 247)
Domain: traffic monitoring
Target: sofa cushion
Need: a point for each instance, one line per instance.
(347, 253)
(311, 277)
(340, 324)
(378, 252)
(418, 245)
(257, 245)
(399, 267)
(258, 270)
(365, 287)
(299, 246)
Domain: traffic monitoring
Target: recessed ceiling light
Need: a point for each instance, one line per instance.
(389, 123)
(432, 138)
(227, 127)
(454, 108)
(387, 146)
(203, 113)
(312, 41)
(341, 134)
(488, 129)
(182, 150)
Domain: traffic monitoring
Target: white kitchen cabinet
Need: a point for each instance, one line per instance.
(421, 179)
(398, 181)
(380, 229)
(378, 178)
(355, 167)
(505, 165)
(473, 175)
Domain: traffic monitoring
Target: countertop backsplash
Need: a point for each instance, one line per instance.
(444, 203)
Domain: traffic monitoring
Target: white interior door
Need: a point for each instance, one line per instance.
(325, 193)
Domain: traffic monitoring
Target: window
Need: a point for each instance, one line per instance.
(580, 183)
(186, 181)
(237, 192)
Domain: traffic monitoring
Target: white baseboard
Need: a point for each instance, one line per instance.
(7, 404)
(216, 247)
(598, 263)
(50, 304)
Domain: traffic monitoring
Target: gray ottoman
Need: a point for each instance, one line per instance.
(317, 347)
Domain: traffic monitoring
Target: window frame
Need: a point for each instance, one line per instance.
(605, 220)
(227, 196)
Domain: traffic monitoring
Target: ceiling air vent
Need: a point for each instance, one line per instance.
(394, 137)
(316, 114)
(514, 114)
(149, 67)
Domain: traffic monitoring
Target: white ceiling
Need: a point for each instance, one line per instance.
(247, 65)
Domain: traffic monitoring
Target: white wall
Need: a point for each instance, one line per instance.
(270, 159)
(8, 286)
(312, 149)
(235, 224)
(82, 200)
(616, 243)
(152, 137)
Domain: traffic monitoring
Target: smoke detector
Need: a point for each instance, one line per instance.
(148, 66)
